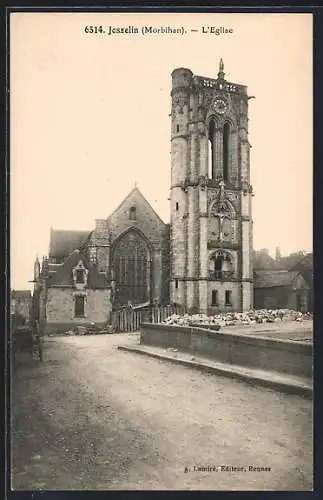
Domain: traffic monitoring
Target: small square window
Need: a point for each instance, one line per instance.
(228, 298)
(79, 307)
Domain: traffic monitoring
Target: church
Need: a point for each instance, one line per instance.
(123, 261)
(202, 260)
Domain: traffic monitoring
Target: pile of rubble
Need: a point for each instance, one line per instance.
(232, 319)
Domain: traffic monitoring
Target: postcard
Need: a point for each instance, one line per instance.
(161, 251)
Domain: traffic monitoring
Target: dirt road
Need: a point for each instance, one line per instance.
(93, 417)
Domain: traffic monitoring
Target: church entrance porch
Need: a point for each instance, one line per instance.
(132, 269)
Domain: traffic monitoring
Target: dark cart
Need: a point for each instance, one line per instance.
(26, 339)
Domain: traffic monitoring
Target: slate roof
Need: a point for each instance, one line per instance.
(64, 275)
(305, 263)
(274, 278)
(53, 267)
(263, 261)
(64, 242)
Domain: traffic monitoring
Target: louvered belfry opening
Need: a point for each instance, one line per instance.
(132, 269)
(226, 151)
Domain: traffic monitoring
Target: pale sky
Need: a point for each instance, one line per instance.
(89, 118)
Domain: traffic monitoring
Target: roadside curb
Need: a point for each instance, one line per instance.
(233, 371)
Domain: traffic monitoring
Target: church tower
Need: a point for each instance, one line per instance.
(211, 220)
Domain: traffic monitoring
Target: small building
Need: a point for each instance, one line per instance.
(305, 267)
(73, 294)
(21, 303)
(276, 287)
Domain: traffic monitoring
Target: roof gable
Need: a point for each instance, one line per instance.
(64, 275)
(304, 263)
(135, 196)
(146, 219)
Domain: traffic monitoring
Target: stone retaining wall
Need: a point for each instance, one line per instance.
(293, 358)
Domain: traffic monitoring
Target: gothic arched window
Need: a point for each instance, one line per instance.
(131, 269)
(226, 150)
(211, 149)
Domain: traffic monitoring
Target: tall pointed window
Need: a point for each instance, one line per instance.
(132, 269)
(211, 150)
(226, 150)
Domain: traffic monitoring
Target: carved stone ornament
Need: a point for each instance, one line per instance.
(203, 181)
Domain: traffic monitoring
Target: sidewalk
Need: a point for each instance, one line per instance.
(274, 380)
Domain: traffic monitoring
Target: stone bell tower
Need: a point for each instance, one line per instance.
(211, 221)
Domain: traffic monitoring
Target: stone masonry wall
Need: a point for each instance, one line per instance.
(60, 308)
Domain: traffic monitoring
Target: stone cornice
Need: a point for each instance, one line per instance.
(223, 245)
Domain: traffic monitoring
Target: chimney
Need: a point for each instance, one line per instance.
(100, 225)
(278, 254)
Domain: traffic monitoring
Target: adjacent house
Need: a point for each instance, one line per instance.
(279, 288)
(21, 303)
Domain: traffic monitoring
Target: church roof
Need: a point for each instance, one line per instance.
(305, 267)
(274, 278)
(63, 242)
(64, 275)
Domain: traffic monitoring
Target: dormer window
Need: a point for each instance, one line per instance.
(80, 274)
(132, 213)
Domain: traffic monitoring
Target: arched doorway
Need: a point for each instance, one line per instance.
(131, 266)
